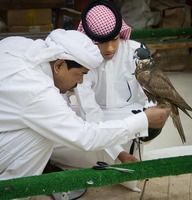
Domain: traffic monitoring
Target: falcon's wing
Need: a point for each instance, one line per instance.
(156, 83)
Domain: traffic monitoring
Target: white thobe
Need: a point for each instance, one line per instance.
(112, 91)
(34, 117)
(109, 92)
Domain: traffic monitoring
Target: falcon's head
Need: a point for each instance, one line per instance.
(143, 57)
(142, 54)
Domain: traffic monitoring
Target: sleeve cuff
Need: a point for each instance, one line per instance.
(137, 125)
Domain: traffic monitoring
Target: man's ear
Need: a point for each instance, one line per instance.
(57, 65)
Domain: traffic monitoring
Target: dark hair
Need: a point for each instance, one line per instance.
(72, 64)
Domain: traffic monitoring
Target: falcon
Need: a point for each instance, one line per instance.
(158, 88)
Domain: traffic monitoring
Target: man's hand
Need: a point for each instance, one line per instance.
(157, 116)
(125, 157)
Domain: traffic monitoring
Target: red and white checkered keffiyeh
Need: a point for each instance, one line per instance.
(101, 21)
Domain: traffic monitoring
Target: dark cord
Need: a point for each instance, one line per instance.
(129, 91)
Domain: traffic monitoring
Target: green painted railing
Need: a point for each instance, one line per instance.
(160, 32)
(135, 34)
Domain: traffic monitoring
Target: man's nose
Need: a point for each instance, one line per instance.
(80, 81)
(109, 47)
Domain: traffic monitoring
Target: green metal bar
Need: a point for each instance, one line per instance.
(171, 41)
(160, 32)
(88, 177)
(168, 41)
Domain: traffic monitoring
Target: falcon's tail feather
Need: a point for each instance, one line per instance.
(177, 123)
(185, 110)
(182, 104)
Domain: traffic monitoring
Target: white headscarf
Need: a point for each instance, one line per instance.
(70, 45)
(59, 44)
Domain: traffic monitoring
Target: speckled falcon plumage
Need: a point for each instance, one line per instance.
(159, 88)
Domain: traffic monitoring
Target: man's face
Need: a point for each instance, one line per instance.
(66, 79)
(108, 49)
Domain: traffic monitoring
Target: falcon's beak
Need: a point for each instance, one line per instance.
(135, 55)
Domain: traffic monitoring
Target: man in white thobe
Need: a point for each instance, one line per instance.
(34, 117)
